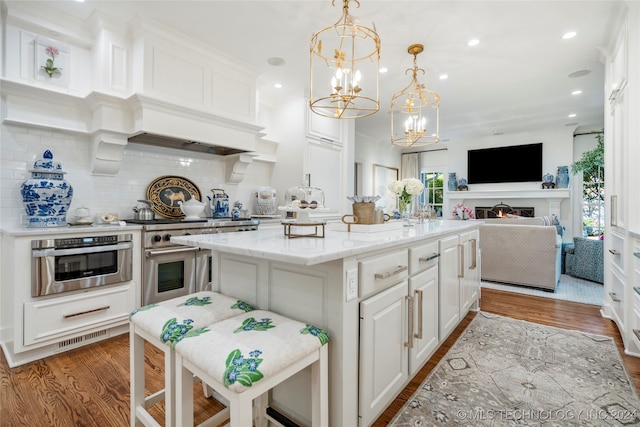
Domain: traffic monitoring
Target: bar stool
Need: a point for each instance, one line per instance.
(244, 357)
(162, 325)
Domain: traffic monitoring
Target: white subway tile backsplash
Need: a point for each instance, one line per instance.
(119, 194)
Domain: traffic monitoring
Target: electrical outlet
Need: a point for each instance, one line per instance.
(352, 284)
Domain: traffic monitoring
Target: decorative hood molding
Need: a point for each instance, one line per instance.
(112, 122)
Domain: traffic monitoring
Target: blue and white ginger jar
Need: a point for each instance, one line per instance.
(46, 196)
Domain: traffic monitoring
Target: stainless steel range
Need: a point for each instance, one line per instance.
(171, 270)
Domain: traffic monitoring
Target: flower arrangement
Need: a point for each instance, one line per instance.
(49, 66)
(405, 189)
(460, 211)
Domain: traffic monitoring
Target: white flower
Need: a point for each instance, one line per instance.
(413, 185)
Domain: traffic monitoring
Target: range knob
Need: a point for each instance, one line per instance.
(167, 237)
(157, 238)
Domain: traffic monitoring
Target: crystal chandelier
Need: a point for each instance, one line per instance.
(346, 57)
(415, 111)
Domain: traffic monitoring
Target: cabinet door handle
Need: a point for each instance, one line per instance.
(614, 297)
(409, 342)
(614, 251)
(429, 258)
(461, 264)
(399, 269)
(474, 254)
(420, 295)
(67, 316)
(636, 254)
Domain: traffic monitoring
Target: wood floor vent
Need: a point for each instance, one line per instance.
(81, 340)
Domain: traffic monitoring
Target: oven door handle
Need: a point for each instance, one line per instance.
(150, 252)
(39, 253)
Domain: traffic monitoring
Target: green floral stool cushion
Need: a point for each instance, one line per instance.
(176, 318)
(245, 349)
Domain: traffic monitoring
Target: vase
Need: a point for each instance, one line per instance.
(46, 196)
(405, 209)
(562, 177)
(452, 183)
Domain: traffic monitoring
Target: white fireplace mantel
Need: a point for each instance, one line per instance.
(550, 194)
(554, 197)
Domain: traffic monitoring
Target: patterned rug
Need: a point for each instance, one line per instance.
(507, 372)
(569, 289)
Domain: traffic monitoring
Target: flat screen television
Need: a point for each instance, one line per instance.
(517, 163)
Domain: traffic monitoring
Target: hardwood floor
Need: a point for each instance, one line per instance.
(89, 386)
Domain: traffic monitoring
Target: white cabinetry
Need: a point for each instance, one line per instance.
(384, 352)
(323, 128)
(622, 154)
(450, 270)
(459, 279)
(36, 327)
(470, 280)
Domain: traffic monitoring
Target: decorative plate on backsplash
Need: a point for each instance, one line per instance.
(166, 191)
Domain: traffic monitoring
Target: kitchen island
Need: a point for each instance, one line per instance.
(388, 300)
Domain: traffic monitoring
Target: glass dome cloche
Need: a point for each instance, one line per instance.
(46, 196)
(304, 197)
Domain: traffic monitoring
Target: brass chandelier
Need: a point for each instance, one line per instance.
(415, 111)
(346, 57)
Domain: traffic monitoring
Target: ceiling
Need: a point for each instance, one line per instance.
(516, 79)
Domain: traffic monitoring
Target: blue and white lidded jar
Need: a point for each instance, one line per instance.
(46, 196)
(562, 178)
(452, 183)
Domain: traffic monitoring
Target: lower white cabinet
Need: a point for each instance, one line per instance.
(423, 291)
(470, 280)
(398, 325)
(384, 351)
(52, 319)
(459, 279)
(450, 270)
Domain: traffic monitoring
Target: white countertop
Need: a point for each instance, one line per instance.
(274, 245)
(49, 231)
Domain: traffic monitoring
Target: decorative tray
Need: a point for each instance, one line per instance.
(366, 228)
(166, 191)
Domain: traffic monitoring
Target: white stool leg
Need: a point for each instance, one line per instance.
(241, 411)
(260, 405)
(136, 367)
(320, 389)
(170, 388)
(184, 394)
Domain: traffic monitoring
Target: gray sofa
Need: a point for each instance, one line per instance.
(521, 251)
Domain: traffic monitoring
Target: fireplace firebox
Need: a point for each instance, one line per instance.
(501, 210)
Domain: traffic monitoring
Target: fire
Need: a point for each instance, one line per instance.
(499, 213)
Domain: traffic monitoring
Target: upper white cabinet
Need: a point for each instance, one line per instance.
(323, 128)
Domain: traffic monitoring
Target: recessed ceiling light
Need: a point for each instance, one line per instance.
(383, 69)
(276, 62)
(576, 92)
(443, 76)
(473, 42)
(579, 73)
(278, 85)
(569, 35)
(572, 115)
(497, 132)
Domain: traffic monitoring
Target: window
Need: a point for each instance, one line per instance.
(591, 164)
(593, 204)
(433, 195)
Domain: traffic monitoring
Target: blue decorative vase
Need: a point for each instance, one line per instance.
(548, 178)
(562, 177)
(452, 183)
(46, 196)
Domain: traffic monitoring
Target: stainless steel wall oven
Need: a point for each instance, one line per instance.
(69, 264)
(171, 270)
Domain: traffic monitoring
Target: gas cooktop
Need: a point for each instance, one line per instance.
(166, 223)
